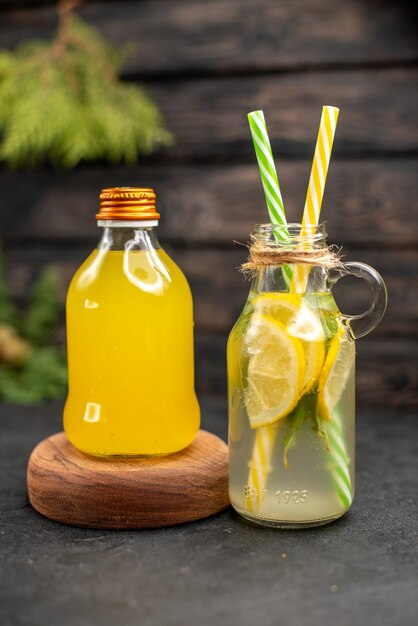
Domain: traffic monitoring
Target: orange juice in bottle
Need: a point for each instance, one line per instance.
(130, 339)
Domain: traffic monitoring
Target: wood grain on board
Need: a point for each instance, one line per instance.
(75, 488)
(367, 202)
(207, 64)
(209, 117)
(220, 290)
(181, 36)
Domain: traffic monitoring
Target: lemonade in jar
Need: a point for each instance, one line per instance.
(291, 363)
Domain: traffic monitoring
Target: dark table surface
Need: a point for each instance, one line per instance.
(360, 570)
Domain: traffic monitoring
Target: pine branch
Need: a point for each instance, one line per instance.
(8, 313)
(43, 309)
(64, 103)
(30, 372)
(44, 377)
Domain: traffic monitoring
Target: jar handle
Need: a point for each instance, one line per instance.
(362, 324)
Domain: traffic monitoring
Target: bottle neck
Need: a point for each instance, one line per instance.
(129, 238)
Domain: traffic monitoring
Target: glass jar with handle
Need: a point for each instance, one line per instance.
(291, 387)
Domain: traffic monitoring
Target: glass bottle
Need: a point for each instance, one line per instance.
(130, 338)
(291, 387)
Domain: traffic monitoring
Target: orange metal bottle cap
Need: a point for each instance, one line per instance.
(127, 203)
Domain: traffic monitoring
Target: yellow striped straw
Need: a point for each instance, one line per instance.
(260, 465)
(338, 455)
(315, 193)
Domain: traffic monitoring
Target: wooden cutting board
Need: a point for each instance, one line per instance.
(74, 488)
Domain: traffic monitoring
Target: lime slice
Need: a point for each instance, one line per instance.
(275, 371)
(301, 323)
(335, 373)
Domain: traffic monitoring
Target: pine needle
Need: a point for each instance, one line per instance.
(42, 313)
(63, 103)
(8, 313)
(42, 373)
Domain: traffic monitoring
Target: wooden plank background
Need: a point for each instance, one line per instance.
(207, 64)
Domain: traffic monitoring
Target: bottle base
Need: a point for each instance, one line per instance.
(126, 455)
(286, 524)
(111, 455)
(105, 450)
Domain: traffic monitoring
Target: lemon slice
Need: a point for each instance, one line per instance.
(335, 373)
(314, 358)
(306, 326)
(280, 306)
(303, 324)
(275, 371)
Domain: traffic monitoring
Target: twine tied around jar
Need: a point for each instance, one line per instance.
(262, 255)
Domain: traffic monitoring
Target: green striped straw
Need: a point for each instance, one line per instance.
(339, 461)
(265, 436)
(270, 181)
